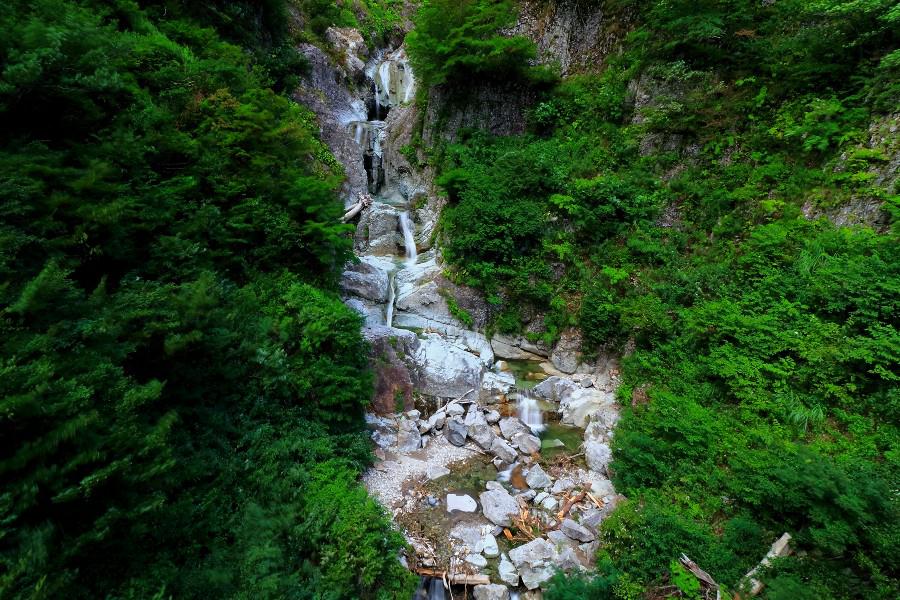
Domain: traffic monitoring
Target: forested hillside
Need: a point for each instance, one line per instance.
(182, 390)
(672, 204)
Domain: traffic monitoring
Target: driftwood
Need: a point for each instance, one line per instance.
(706, 580)
(781, 547)
(364, 202)
(573, 501)
(455, 578)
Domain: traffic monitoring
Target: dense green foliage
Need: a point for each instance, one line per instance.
(764, 369)
(377, 20)
(455, 39)
(181, 394)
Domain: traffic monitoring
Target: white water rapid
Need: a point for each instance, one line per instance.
(409, 240)
(529, 411)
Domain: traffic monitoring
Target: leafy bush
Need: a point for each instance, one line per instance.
(177, 371)
(455, 39)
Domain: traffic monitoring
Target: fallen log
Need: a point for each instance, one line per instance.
(353, 211)
(364, 202)
(454, 578)
(781, 547)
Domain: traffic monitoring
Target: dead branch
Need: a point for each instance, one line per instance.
(573, 501)
(781, 547)
(364, 201)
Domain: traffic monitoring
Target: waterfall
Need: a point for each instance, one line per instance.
(430, 588)
(392, 293)
(436, 590)
(530, 411)
(409, 239)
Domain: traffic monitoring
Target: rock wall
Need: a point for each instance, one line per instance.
(572, 35)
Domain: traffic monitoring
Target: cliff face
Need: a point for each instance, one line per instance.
(573, 36)
(570, 36)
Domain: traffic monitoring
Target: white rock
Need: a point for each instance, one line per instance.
(526, 442)
(444, 369)
(494, 384)
(576, 531)
(510, 426)
(540, 497)
(477, 560)
(535, 562)
(550, 503)
(366, 279)
(408, 436)
(436, 472)
(503, 451)
(462, 503)
(499, 507)
(479, 429)
(597, 455)
(507, 571)
(537, 478)
(456, 409)
(562, 485)
(489, 546)
(491, 592)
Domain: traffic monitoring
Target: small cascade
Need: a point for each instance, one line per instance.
(529, 411)
(392, 295)
(409, 240)
(394, 83)
(430, 588)
(370, 136)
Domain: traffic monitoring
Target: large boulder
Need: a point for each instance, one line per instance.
(597, 455)
(494, 384)
(499, 507)
(389, 358)
(456, 431)
(566, 353)
(537, 478)
(491, 592)
(578, 404)
(503, 451)
(526, 443)
(371, 312)
(380, 229)
(554, 388)
(446, 370)
(535, 562)
(408, 436)
(510, 426)
(479, 429)
(384, 430)
(366, 279)
(517, 348)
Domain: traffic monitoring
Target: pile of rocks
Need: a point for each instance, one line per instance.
(548, 500)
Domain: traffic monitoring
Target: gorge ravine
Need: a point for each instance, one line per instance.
(516, 500)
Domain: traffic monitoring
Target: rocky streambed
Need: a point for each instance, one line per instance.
(492, 453)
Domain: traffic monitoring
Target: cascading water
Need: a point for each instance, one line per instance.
(392, 294)
(529, 411)
(430, 588)
(409, 240)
